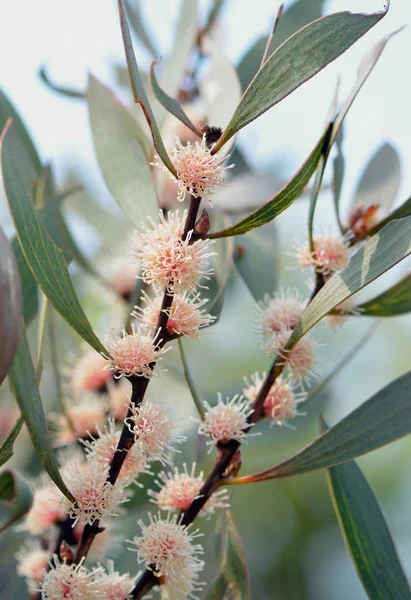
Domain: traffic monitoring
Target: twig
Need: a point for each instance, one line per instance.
(271, 36)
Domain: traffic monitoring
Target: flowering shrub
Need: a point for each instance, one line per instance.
(113, 432)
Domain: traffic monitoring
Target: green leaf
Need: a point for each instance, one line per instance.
(366, 534)
(384, 418)
(134, 16)
(170, 104)
(191, 386)
(24, 385)
(122, 154)
(285, 197)
(6, 449)
(366, 66)
(45, 260)
(220, 88)
(7, 111)
(394, 301)
(15, 495)
(184, 42)
(10, 306)
(300, 57)
(224, 249)
(256, 260)
(233, 573)
(139, 93)
(379, 254)
(69, 92)
(380, 181)
(53, 222)
(296, 16)
(338, 177)
(399, 213)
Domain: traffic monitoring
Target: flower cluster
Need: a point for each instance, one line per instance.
(179, 489)
(198, 171)
(281, 403)
(76, 582)
(276, 319)
(329, 254)
(154, 428)
(167, 548)
(186, 316)
(166, 259)
(133, 354)
(226, 421)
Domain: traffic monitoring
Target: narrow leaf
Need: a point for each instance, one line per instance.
(298, 59)
(6, 449)
(233, 573)
(7, 111)
(285, 197)
(379, 254)
(366, 66)
(134, 15)
(296, 16)
(139, 92)
(24, 384)
(122, 154)
(170, 104)
(394, 301)
(184, 42)
(381, 420)
(45, 260)
(63, 90)
(10, 306)
(366, 534)
(224, 249)
(15, 495)
(256, 260)
(380, 182)
(191, 386)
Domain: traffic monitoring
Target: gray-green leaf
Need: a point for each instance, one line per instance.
(366, 534)
(122, 152)
(45, 260)
(298, 59)
(24, 385)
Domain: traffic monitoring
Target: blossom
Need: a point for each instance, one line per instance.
(281, 402)
(95, 498)
(284, 309)
(84, 416)
(227, 420)
(112, 585)
(153, 426)
(363, 218)
(32, 560)
(179, 490)
(184, 318)
(69, 582)
(101, 451)
(331, 253)
(133, 354)
(181, 586)
(86, 374)
(169, 260)
(44, 512)
(301, 359)
(166, 547)
(198, 171)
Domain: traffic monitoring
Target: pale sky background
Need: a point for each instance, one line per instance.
(74, 37)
